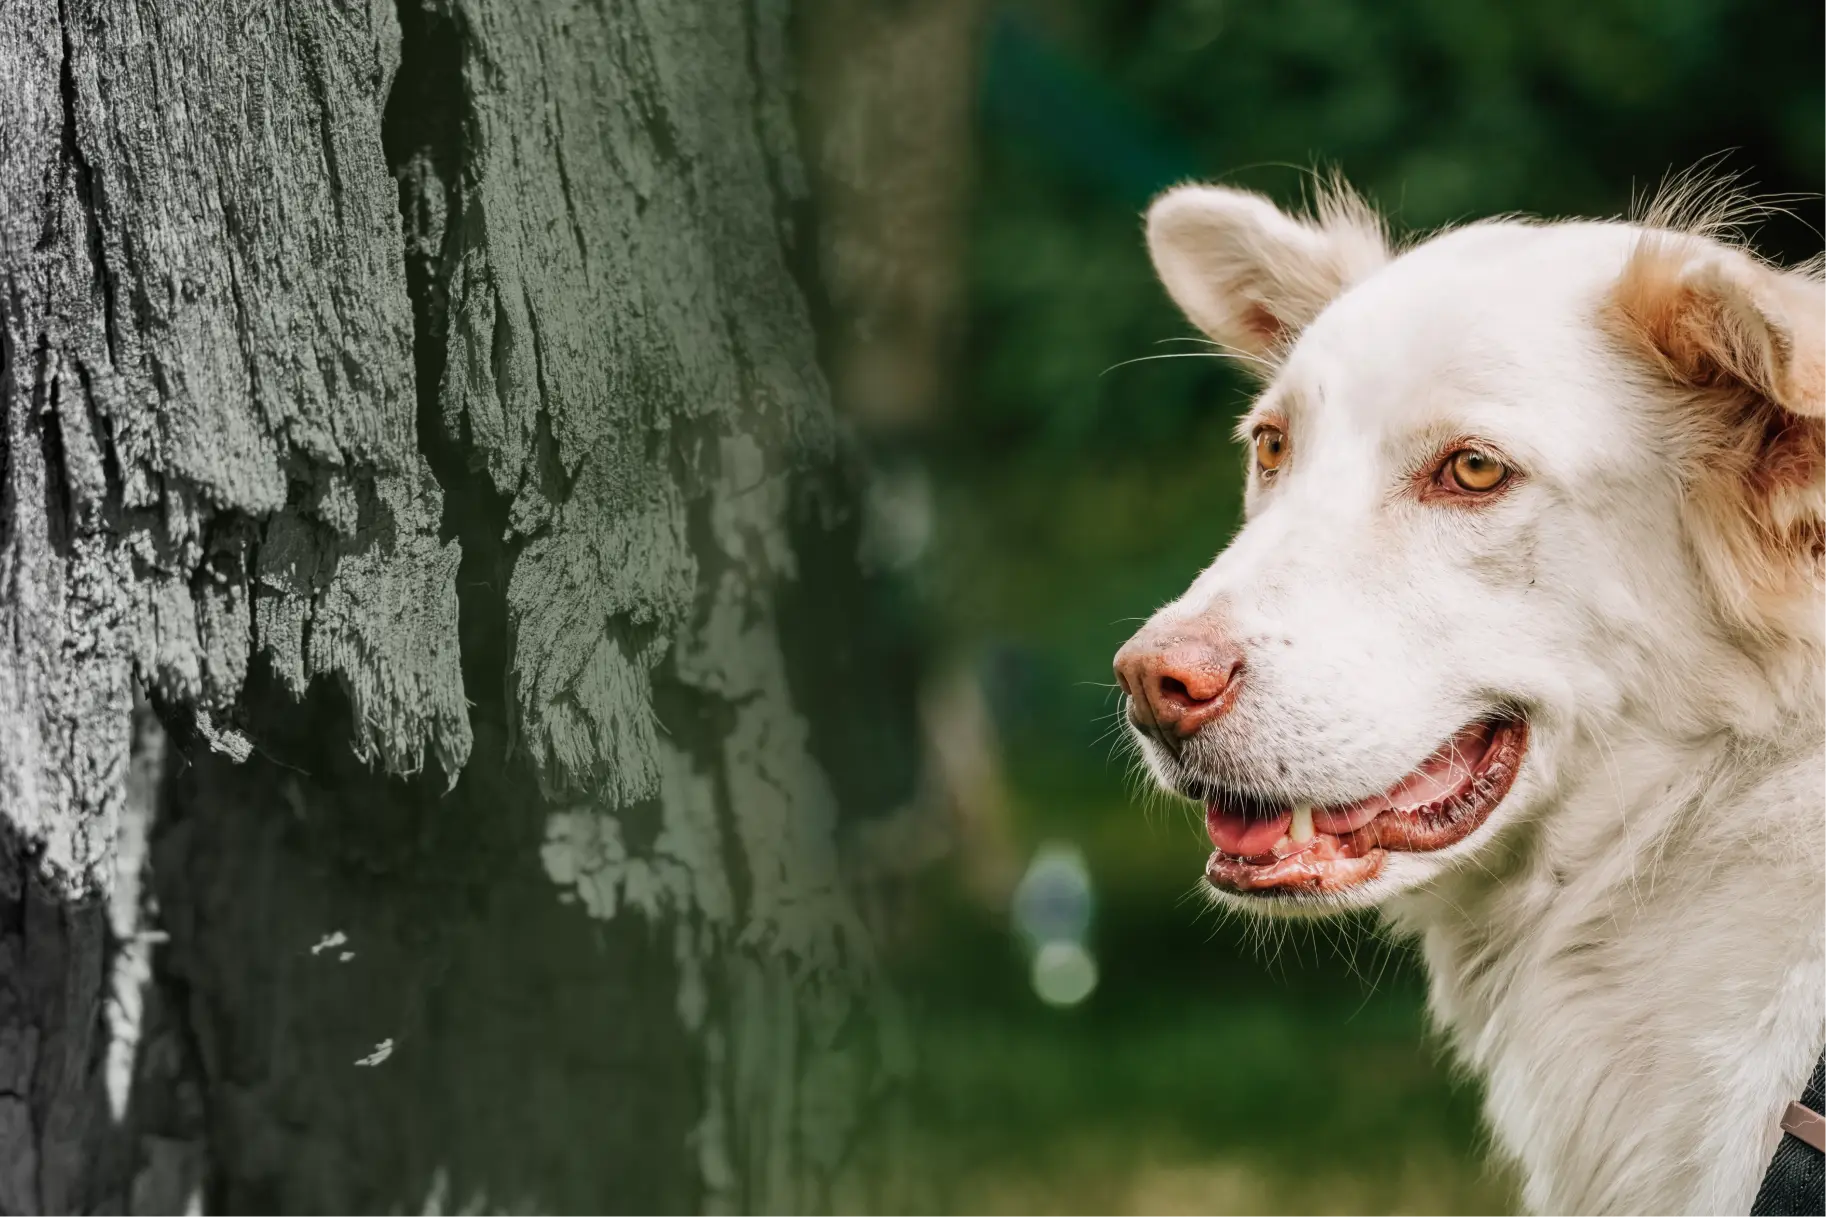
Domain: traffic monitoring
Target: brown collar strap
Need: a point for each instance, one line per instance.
(1794, 1182)
(1806, 1124)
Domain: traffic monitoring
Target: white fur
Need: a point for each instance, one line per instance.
(1631, 952)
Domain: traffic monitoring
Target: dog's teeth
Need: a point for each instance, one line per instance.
(1302, 824)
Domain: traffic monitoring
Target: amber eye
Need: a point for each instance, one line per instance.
(1270, 448)
(1476, 472)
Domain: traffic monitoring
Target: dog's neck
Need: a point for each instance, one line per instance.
(1639, 979)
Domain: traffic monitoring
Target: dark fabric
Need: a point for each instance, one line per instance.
(1796, 1179)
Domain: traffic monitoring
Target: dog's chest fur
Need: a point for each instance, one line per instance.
(1643, 996)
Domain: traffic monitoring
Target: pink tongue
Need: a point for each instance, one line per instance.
(1242, 836)
(1438, 776)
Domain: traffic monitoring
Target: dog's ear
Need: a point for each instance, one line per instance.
(1742, 344)
(1717, 319)
(1250, 275)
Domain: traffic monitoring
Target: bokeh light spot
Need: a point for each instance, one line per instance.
(1064, 973)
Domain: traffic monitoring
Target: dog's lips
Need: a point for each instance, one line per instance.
(1439, 803)
(1327, 863)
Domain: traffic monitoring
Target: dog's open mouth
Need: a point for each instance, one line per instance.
(1265, 847)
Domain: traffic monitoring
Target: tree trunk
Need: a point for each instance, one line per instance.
(432, 659)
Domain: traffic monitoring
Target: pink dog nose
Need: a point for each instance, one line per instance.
(1180, 677)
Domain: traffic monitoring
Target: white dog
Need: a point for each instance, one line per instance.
(1522, 643)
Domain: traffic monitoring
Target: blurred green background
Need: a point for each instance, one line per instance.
(1072, 492)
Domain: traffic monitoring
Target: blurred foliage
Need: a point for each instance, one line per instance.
(1439, 110)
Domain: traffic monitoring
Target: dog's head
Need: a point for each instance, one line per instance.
(1511, 491)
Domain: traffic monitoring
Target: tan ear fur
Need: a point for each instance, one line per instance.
(1742, 346)
(1715, 317)
(1250, 275)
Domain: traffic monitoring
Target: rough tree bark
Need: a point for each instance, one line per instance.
(428, 595)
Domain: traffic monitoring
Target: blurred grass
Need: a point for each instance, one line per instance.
(1111, 1179)
(1208, 1073)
